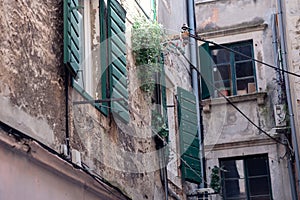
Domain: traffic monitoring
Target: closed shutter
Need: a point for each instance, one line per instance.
(72, 32)
(206, 71)
(189, 141)
(117, 59)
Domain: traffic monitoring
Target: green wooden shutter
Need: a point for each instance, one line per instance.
(117, 58)
(72, 42)
(189, 141)
(206, 71)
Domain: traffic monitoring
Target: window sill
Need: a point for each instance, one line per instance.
(258, 96)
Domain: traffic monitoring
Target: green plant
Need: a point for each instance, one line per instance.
(215, 182)
(158, 124)
(147, 38)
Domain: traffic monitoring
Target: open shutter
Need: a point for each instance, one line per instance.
(117, 59)
(72, 31)
(189, 141)
(206, 71)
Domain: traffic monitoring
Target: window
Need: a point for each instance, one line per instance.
(230, 73)
(95, 51)
(246, 178)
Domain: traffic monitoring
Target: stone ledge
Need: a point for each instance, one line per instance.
(243, 28)
(258, 96)
(239, 144)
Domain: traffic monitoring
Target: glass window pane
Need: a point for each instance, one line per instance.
(257, 166)
(223, 85)
(235, 188)
(222, 72)
(244, 69)
(233, 168)
(243, 84)
(246, 50)
(259, 186)
(220, 56)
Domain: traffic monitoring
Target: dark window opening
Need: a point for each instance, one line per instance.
(246, 178)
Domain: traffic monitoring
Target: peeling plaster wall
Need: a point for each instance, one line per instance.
(32, 88)
(212, 15)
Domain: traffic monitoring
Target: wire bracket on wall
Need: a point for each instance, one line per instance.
(98, 101)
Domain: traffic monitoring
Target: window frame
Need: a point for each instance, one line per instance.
(232, 66)
(112, 82)
(85, 91)
(247, 177)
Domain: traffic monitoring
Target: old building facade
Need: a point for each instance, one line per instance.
(244, 135)
(90, 110)
(73, 114)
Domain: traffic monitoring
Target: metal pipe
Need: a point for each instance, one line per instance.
(67, 109)
(291, 174)
(195, 82)
(288, 90)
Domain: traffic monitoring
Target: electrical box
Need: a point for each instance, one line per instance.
(64, 150)
(76, 158)
(280, 115)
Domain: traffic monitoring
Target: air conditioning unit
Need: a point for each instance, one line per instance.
(280, 115)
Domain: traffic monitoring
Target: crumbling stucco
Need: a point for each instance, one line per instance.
(31, 68)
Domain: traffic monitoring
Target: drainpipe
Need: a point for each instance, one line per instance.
(288, 91)
(67, 110)
(195, 82)
(154, 9)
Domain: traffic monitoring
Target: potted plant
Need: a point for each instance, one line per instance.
(223, 91)
(147, 38)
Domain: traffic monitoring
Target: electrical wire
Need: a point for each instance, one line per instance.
(239, 53)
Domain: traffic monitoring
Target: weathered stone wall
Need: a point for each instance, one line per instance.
(31, 72)
(32, 99)
(123, 154)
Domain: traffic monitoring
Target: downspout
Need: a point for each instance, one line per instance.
(288, 91)
(154, 10)
(195, 82)
(67, 110)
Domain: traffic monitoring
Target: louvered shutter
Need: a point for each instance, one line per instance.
(117, 59)
(189, 141)
(72, 32)
(206, 71)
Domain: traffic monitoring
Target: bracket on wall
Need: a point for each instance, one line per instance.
(98, 101)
